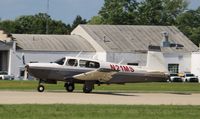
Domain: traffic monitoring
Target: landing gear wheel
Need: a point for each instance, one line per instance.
(69, 87)
(40, 88)
(87, 89)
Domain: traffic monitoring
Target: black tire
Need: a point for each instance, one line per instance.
(87, 89)
(40, 88)
(69, 87)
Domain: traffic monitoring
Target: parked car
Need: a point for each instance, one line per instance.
(175, 78)
(4, 76)
(188, 77)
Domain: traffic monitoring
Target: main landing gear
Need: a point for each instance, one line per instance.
(88, 86)
(69, 86)
(40, 87)
(87, 89)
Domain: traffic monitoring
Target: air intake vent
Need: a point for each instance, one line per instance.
(154, 48)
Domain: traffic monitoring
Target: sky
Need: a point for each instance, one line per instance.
(65, 10)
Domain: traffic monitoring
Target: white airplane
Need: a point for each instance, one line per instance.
(73, 70)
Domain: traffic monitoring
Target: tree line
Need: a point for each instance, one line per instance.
(37, 24)
(123, 12)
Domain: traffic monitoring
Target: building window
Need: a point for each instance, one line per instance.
(173, 68)
(134, 64)
(22, 73)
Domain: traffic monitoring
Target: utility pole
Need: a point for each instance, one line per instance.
(47, 21)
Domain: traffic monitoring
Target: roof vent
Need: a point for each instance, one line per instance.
(165, 41)
(154, 48)
(105, 39)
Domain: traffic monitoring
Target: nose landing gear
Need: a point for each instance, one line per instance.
(40, 87)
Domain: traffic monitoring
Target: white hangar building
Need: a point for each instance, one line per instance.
(20, 49)
(127, 44)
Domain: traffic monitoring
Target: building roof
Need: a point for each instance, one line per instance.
(4, 46)
(133, 38)
(52, 42)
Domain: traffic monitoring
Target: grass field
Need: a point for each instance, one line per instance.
(68, 111)
(98, 112)
(134, 87)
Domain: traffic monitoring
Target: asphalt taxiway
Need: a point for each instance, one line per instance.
(25, 97)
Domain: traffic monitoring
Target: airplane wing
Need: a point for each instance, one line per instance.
(101, 74)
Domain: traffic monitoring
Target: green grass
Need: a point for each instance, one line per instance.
(134, 87)
(59, 111)
(62, 111)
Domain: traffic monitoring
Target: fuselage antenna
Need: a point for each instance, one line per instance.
(79, 54)
(121, 61)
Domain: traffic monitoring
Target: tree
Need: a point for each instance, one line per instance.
(147, 12)
(35, 24)
(96, 20)
(78, 20)
(189, 23)
(8, 26)
(150, 12)
(32, 24)
(118, 12)
(160, 12)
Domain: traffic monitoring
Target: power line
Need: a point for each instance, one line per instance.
(47, 21)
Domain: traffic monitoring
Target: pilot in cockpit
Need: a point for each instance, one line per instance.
(72, 62)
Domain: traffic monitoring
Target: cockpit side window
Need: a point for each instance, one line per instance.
(72, 62)
(89, 64)
(60, 61)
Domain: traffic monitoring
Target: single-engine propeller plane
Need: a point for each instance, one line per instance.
(88, 72)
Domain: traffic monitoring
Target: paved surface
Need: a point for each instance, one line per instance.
(19, 97)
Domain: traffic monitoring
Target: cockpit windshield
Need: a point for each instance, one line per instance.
(60, 61)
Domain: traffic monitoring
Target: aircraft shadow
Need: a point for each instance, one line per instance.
(113, 93)
(181, 93)
(98, 93)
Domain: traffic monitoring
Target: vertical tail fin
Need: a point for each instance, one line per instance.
(155, 60)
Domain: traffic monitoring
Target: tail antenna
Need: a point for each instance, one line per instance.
(79, 54)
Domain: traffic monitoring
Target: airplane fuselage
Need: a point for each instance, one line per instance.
(89, 72)
(125, 73)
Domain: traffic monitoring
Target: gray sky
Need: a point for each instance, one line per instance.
(65, 10)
